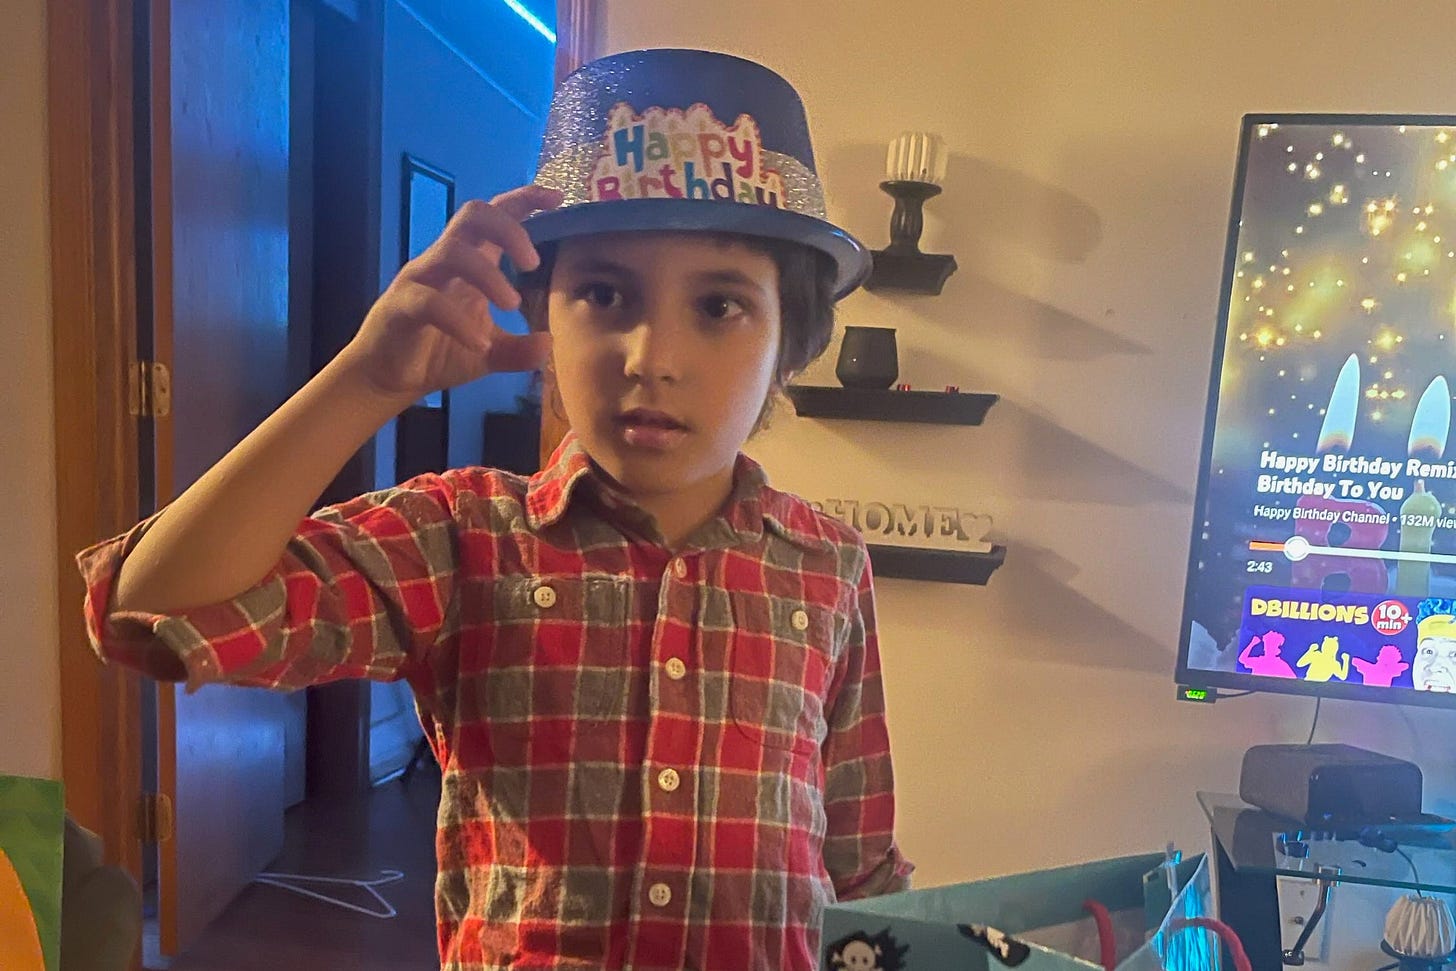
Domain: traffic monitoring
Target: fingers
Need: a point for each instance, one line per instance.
(497, 224)
(504, 351)
(471, 245)
(493, 231)
(452, 258)
(439, 287)
(522, 202)
(517, 352)
(428, 305)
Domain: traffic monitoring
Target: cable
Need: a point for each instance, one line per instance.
(1315, 723)
(1236, 694)
(1416, 874)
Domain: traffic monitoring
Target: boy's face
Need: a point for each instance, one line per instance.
(664, 346)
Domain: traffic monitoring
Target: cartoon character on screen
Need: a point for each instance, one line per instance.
(1325, 661)
(1434, 666)
(1354, 523)
(864, 952)
(1269, 664)
(1381, 672)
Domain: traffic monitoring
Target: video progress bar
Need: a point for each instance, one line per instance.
(1296, 548)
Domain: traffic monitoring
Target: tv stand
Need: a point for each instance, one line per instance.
(1253, 847)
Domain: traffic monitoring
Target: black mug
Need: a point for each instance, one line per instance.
(867, 358)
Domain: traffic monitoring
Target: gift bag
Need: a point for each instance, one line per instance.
(1136, 913)
(32, 835)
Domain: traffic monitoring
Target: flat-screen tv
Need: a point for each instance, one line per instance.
(1323, 559)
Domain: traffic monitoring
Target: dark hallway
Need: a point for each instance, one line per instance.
(270, 929)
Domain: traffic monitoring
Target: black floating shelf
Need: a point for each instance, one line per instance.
(912, 270)
(945, 566)
(933, 407)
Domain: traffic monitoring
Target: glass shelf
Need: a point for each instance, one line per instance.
(1258, 841)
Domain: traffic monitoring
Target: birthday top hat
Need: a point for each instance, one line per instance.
(686, 140)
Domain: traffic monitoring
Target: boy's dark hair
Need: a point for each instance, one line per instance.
(806, 301)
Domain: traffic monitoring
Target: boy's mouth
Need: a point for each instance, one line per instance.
(647, 428)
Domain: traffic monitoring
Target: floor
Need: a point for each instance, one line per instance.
(271, 929)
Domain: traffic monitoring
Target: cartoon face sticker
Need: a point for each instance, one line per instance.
(859, 956)
(865, 952)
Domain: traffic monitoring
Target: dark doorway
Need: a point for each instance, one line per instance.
(341, 97)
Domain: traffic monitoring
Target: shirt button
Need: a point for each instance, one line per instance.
(676, 668)
(660, 894)
(800, 620)
(679, 568)
(544, 596)
(669, 780)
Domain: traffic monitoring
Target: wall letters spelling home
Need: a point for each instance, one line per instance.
(917, 527)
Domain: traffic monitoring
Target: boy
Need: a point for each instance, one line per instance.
(651, 681)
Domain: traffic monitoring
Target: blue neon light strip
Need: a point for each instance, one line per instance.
(532, 19)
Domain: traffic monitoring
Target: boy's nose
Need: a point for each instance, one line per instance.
(651, 355)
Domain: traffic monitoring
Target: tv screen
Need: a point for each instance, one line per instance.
(1323, 558)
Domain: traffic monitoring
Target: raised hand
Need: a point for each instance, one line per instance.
(431, 328)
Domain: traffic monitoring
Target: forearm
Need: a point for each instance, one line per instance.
(225, 532)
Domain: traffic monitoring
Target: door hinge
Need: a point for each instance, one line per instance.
(155, 821)
(149, 389)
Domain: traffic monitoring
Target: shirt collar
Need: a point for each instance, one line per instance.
(751, 506)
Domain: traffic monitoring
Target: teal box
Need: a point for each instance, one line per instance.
(1034, 921)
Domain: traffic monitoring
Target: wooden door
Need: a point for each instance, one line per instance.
(220, 219)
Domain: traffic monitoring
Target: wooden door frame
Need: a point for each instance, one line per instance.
(578, 34)
(91, 88)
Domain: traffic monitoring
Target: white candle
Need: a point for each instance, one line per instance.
(916, 156)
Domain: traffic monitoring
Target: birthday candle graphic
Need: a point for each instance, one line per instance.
(1338, 428)
(1430, 427)
(1432, 422)
(1363, 532)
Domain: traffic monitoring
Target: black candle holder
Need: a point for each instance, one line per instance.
(1406, 962)
(901, 265)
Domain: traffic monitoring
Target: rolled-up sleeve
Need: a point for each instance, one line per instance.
(860, 852)
(362, 588)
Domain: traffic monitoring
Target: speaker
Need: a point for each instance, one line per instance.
(1330, 784)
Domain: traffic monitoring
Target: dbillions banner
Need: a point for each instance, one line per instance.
(1326, 542)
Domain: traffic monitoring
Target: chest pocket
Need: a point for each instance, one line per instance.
(558, 653)
(779, 665)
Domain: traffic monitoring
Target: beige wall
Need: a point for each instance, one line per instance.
(29, 699)
(1087, 202)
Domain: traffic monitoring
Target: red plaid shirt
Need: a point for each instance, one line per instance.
(651, 761)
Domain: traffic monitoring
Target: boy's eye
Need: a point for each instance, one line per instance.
(721, 307)
(602, 295)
